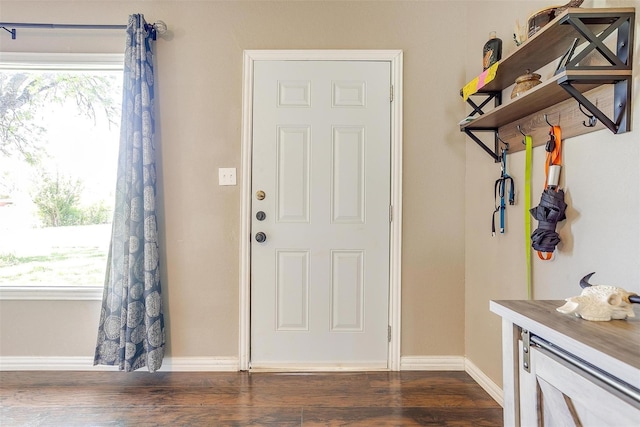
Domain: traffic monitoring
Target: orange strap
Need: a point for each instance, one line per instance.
(545, 257)
(554, 157)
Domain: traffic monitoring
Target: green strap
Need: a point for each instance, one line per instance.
(527, 216)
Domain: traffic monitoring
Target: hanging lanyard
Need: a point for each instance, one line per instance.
(499, 190)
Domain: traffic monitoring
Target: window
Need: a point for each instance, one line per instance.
(59, 134)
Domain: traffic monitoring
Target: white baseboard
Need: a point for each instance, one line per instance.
(432, 363)
(484, 381)
(170, 364)
(453, 363)
(204, 364)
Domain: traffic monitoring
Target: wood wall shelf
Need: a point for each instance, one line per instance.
(591, 27)
(540, 97)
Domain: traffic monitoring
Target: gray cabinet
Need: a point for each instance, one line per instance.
(562, 370)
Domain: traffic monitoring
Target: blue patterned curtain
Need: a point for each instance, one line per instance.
(131, 330)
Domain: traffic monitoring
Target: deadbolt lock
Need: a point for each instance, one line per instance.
(260, 195)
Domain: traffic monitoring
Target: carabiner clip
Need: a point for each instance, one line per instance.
(551, 143)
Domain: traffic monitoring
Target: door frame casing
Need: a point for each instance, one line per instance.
(394, 57)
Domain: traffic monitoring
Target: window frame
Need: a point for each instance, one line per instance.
(57, 61)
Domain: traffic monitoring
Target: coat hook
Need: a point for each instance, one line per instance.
(546, 119)
(520, 130)
(506, 144)
(523, 134)
(592, 119)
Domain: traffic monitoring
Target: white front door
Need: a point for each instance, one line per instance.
(321, 201)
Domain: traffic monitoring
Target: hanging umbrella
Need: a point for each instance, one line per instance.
(552, 207)
(549, 212)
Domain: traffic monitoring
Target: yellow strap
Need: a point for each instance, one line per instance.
(527, 215)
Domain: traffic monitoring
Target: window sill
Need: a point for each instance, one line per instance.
(51, 293)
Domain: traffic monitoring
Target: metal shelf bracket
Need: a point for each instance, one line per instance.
(477, 109)
(621, 122)
(489, 96)
(494, 153)
(621, 60)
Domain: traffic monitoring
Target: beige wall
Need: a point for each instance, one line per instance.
(448, 254)
(200, 100)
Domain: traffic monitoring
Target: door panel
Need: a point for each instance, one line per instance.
(292, 169)
(347, 190)
(321, 154)
(292, 288)
(347, 291)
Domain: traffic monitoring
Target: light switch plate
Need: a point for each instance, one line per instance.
(226, 176)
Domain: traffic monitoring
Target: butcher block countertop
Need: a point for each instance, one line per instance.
(614, 345)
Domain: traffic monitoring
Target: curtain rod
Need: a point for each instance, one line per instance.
(159, 27)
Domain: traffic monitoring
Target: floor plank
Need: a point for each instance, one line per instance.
(244, 399)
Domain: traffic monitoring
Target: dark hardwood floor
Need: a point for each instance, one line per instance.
(244, 399)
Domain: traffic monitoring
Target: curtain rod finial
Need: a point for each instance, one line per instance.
(13, 31)
(160, 27)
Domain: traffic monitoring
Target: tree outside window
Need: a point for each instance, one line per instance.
(59, 132)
